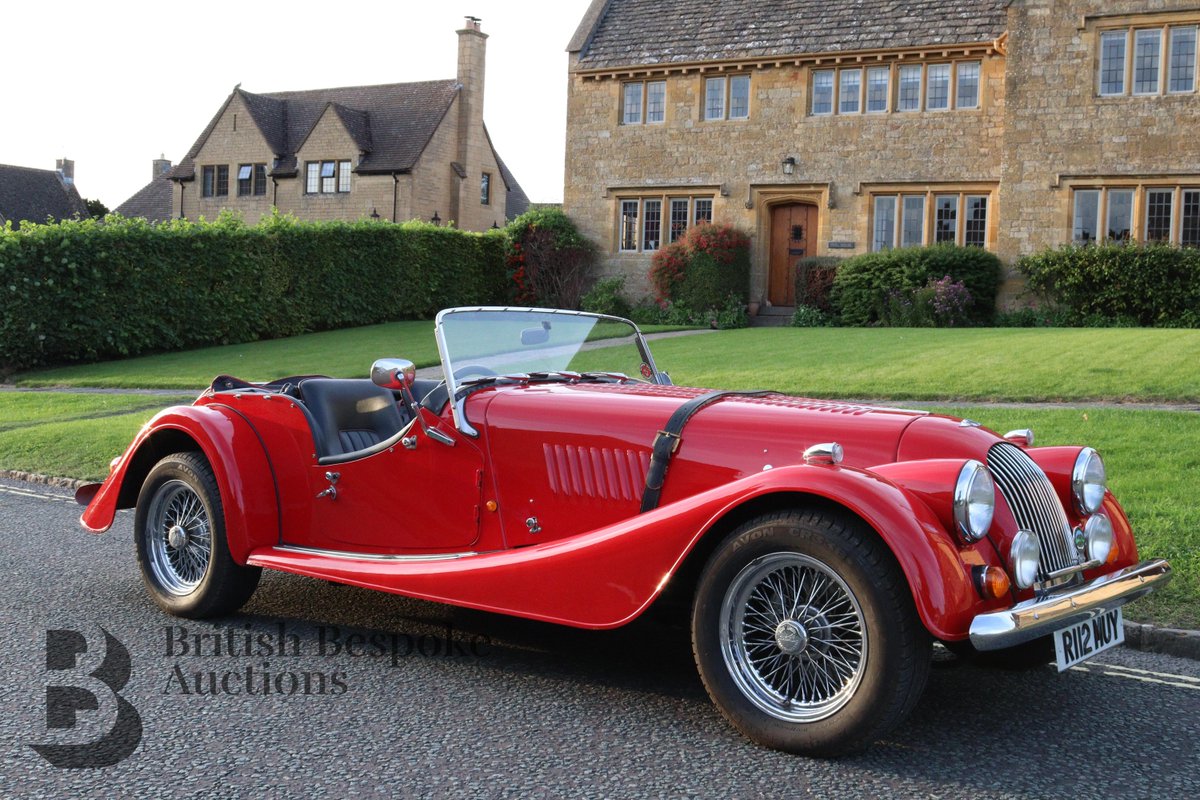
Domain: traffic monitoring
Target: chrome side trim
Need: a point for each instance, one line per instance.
(351, 556)
(1042, 616)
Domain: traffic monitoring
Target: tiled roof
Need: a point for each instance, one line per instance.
(390, 123)
(516, 202)
(35, 194)
(152, 201)
(641, 32)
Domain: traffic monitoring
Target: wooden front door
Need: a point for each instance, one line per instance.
(793, 236)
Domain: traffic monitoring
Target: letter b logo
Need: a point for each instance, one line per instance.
(90, 724)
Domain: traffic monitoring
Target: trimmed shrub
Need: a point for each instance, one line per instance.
(701, 271)
(550, 263)
(867, 286)
(607, 297)
(91, 290)
(814, 281)
(1155, 284)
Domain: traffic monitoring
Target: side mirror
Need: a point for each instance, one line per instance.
(393, 373)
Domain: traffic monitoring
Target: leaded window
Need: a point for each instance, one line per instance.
(910, 88)
(968, 85)
(975, 224)
(822, 102)
(849, 91)
(1147, 59)
(937, 92)
(1159, 207)
(879, 83)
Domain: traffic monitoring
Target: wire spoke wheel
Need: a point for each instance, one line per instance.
(182, 550)
(793, 637)
(179, 537)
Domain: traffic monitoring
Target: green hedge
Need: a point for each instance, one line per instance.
(1157, 284)
(867, 285)
(814, 281)
(91, 290)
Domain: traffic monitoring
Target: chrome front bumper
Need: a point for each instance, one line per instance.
(1041, 616)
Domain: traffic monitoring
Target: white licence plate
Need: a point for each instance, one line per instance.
(1085, 639)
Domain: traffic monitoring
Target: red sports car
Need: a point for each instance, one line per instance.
(554, 472)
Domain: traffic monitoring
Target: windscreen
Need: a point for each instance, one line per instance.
(481, 343)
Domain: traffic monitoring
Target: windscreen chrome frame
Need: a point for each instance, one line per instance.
(458, 399)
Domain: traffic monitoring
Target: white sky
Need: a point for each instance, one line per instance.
(113, 85)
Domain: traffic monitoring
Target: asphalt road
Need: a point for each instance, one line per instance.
(465, 704)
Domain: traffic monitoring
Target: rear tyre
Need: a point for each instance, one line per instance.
(805, 634)
(179, 533)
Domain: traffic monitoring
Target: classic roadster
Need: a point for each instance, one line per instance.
(554, 472)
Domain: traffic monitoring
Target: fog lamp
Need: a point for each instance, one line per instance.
(1025, 555)
(1099, 535)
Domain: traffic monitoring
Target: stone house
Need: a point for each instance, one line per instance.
(153, 201)
(38, 195)
(836, 127)
(392, 152)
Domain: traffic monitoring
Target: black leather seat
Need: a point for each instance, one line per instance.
(350, 415)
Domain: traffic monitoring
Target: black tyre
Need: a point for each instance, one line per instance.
(805, 634)
(179, 532)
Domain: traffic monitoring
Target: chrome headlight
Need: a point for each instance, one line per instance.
(1088, 481)
(1099, 535)
(1025, 555)
(974, 501)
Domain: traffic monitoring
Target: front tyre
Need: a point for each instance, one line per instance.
(179, 532)
(805, 634)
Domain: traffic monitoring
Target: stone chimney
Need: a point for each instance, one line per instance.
(162, 165)
(472, 49)
(66, 171)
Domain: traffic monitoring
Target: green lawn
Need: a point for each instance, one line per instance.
(23, 409)
(71, 435)
(339, 354)
(1019, 364)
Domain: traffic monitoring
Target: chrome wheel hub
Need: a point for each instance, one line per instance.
(793, 637)
(178, 538)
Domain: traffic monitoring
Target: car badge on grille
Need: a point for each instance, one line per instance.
(1080, 540)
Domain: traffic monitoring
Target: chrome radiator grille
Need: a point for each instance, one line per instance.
(1035, 505)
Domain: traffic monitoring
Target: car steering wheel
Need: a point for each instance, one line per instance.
(472, 369)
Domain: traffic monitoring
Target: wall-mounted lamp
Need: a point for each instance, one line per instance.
(435, 219)
(374, 213)
(789, 165)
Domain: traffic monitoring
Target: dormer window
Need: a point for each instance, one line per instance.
(327, 177)
(214, 180)
(252, 179)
